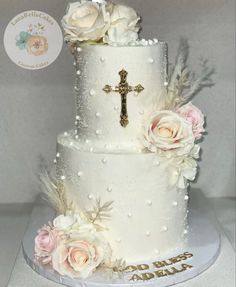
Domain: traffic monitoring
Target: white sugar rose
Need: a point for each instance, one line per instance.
(182, 170)
(80, 255)
(66, 222)
(169, 135)
(123, 29)
(86, 20)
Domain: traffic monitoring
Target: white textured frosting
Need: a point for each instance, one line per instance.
(98, 113)
(148, 217)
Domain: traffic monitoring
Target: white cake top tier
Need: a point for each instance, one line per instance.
(104, 116)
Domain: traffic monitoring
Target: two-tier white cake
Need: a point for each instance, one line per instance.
(122, 173)
(106, 160)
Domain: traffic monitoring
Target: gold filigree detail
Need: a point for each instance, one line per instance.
(123, 89)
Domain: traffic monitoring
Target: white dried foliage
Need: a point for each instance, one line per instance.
(184, 84)
(116, 268)
(55, 193)
(99, 212)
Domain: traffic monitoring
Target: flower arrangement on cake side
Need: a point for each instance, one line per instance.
(73, 244)
(176, 125)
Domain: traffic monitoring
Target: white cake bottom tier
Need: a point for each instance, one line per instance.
(148, 217)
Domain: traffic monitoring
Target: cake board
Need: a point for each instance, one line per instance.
(203, 244)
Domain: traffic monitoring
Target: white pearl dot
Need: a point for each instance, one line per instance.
(150, 42)
(185, 231)
(75, 132)
(80, 173)
(157, 251)
(92, 92)
(55, 161)
(98, 115)
(71, 143)
(116, 108)
(102, 59)
(166, 84)
(109, 189)
(141, 112)
(107, 146)
(79, 49)
(91, 149)
(76, 88)
(87, 141)
(76, 137)
(58, 155)
(98, 132)
(104, 160)
(149, 202)
(151, 60)
(74, 64)
(148, 233)
(130, 215)
(63, 177)
(90, 196)
(176, 172)
(78, 72)
(155, 40)
(174, 203)
(186, 197)
(118, 240)
(164, 228)
(77, 118)
(65, 133)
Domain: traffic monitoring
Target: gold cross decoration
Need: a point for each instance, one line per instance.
(123, 89)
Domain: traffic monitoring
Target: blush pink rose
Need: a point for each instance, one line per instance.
(193, 115)
(45, 243)
(79, 258)
(169, 134)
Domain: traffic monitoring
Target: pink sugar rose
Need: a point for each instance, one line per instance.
(79, 256)
(169, 134)
(45, 243)
(193, 115)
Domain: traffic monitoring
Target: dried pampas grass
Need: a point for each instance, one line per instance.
(184, 84)
(55, 193)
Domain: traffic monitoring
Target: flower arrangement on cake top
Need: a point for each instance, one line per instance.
(100, 21)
